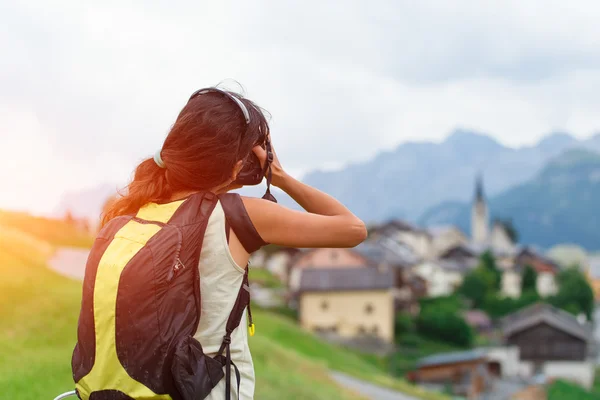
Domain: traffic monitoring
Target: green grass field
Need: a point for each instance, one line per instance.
(562, 390)
(38, 314)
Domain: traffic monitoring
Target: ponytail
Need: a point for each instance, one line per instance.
(149, 185)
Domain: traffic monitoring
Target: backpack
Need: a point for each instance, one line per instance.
(141, 307)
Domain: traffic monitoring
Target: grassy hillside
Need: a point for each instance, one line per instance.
(53, 231)
(39, 309)
(563, 390)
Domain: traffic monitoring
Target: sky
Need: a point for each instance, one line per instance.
(88, 89)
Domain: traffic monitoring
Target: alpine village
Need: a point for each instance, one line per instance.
(475, 315)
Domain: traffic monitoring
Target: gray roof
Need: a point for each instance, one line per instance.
(538, 254)
(386, 250)
(451, 358)
(457, 266)
(477, 249)
(346, 279)
(545, 313)
(438, 230)
(397, 225)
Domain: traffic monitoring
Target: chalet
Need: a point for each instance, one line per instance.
(478, 320)
(445, 237)
(462, 254)
(545, 268)
(378, 252)
(349, 302)
(551, 342)
(418, 239)
(443, 276)
(277, 260)
(465, 372)
(323, 258)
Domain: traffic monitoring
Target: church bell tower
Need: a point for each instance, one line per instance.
(479, 215)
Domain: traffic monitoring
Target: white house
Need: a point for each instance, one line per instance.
(442, 277)
(445, 237)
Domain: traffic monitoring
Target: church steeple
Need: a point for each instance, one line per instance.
(479, 214)
(479, 189)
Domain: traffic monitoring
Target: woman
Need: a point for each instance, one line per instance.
(212, 138)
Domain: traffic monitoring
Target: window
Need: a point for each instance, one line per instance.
(361, 330)
(369, 308)
(324, 305)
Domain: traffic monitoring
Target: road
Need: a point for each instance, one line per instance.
(71, 263)
(368, 390)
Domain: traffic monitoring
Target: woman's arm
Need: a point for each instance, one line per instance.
(327, 223)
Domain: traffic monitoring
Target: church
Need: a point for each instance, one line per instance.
(482, 237)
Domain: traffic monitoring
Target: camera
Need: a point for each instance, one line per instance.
(252, 172)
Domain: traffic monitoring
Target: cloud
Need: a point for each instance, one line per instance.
(97, 85)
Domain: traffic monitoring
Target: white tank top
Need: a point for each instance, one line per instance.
(220, 281)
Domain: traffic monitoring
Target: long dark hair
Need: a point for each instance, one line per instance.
(200, 152)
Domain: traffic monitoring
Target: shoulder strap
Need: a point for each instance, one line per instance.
(238, 219)
(241, 302)
(195, 208)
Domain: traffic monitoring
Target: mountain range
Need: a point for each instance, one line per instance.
(432, 183)
(559, 205)
(407, 181)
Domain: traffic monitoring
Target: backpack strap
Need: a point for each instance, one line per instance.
(237, 218)
(241, 302)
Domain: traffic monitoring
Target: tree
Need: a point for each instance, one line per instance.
(529, 279)
(574, 294)
(477, 284)
(509, 228)
(488, 262)
(403, 324)
(444, 326)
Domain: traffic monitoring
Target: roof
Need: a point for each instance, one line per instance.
(453, 265)
(476, 317)
(386, 250)
(476, 250)
(544, 313)
(528, 250)
(451, 358)
(439, 230)
(346, 279)
(397, 225)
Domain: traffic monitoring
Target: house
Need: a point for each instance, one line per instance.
(418, 239)
(594, 275)
(349, 302)
(465, 372)
(379, 252)
(323, 258)
(499, 239)
(445, 237)
(510, 285)
(478, 320)
(551, 342)
(277, 260)
(385, 252)
(545, 268)
(443, 276)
